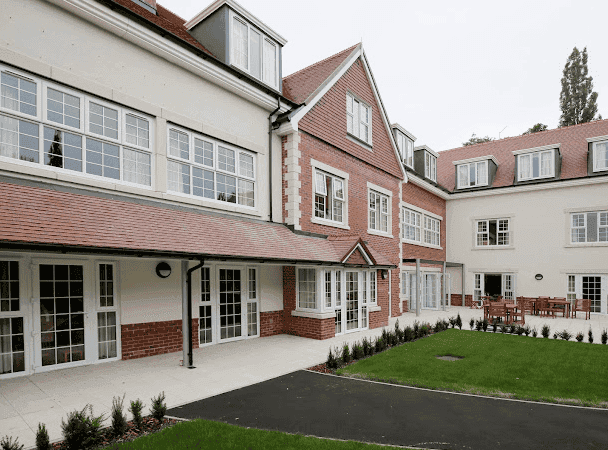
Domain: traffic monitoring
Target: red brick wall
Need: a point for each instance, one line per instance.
(154, 338)
(356, 258)
(271, 323)
(456, 300)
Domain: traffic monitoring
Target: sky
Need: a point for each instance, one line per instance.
(447, 69)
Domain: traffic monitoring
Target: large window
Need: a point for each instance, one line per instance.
(473, 174)
(379, 212)
(202, 167)
(307, 289)
(329, 197)
(358, 119)
(600, 156)
(49, 124)
(254, 53)
(430, 166)
(536, 165)
(411, 225)
(493, 232)
(418, 227)
(406, 149)
(589, 227)
(431, 231)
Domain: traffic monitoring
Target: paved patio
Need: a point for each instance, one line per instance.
(48, 397)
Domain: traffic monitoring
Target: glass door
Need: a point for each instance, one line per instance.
(230, 304)
(592, 289)
(339, 320)
(352, 300)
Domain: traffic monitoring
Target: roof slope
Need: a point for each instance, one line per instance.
(301, 84)
(573, 150)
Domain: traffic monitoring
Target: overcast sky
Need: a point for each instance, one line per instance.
(447, 69)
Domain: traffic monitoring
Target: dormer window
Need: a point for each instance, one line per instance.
(600, 156)
(430, 167)
(532, 166)
(406, 149)
(473, 174)
(254, 52)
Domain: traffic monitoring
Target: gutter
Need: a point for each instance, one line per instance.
(187, 314)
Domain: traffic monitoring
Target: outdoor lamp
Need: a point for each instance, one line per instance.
(384, 274)
(163, 269)
(538, 276)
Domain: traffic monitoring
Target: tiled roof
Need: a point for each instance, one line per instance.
(165, 19)
(573, 150)
(345, 244)
(33, 215)
(299, 85)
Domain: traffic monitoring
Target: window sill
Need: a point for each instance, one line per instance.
(217, 205)
(329, 223)
(314, 314)
(601, 169)
(379, 233)
(494, 247)
(374, 308)
(359, 141)
(586, 244)
(421, 244)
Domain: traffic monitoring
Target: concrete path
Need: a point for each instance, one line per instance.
(326, 406)
(48, 397)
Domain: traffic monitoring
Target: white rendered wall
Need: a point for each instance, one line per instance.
(271, 279)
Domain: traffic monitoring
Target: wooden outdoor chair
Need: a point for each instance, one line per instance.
(477, 304)
(518, 316)
(497, 309)
(525, 305)
(582, 305)
(559, 308)
(542, 306)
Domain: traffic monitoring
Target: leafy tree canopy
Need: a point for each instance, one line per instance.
(477, 140)
(577, 100)
(536, 128)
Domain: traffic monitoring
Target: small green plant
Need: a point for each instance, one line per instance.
(472, 323)
(590, 334)
(423, 330)
(81, 430)
(566, 335)
(484, 324)
(416, 327)
(137, 406)
(604, 337)
(452, 321)
(520, 330)
(380, 344)
(545, 330)
(579, 336)
(358, 351)
(478, 325)
(459, 321)
(534, 332)
(409, 334)
(527, 330)
(556, 335)
(42, 438)
(396, 325)
(159, 407)
(393, 339)
(331, 363)
(7, 443)
(367, 346)
(503, 329)
(494, 324)
(346, 355)
(119, 420)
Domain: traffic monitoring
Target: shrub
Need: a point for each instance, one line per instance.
(556, 335)
(82, 429)
(7, 443)
(459, 321)
(520, 330)
(579, 336)
(396, 326)
(119, 420)
(400, 334)
(159, 407)
(385, 337)
(416, 327)
(452, 321)
(392, 337)
(358, 351)
(544, 331)
(331, 363)
(503, 328)
(42, 438)
(590, 334)
(534, 332)
(409, 334)
(367, 346)
(527, 330)
(484, 324)
(478, 325)
(346, 354)
(423, 330)
(472, 323)
(495, 324)
(513, 328)
(604, 337)
(137, 406)
(380, 345)
(566, 335)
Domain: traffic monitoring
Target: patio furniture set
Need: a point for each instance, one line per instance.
(510, 312)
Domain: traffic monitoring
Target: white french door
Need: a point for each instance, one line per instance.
(592, 287)
(352, 307)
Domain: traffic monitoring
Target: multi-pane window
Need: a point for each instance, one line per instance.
(492, 232)
(378, 211)
(12, 348)
(205, 327)
(307, 288)
(600, 156)
(358, 119)
(536, 165)
(372, 287)
(411, 228)
(202, 167)
(338, 288)
(9, 286)
(406, 149)
(430, 166)
(431, 231)
(106, 334)
(473, 174)
(328, 289)
(571, 293)
(329, 196)
(252, 319)
(254, 52)
(18, 93)
(106, 285)
(108, 141)
(589, 227)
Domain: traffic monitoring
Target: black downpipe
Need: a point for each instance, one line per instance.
(189, 284)
(270, 150)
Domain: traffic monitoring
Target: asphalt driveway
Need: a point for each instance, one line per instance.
(315, 404)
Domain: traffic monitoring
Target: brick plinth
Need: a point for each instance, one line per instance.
(456, 300)
(154, 338)
(271, 323)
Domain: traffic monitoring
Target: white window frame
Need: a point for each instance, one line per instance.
(263, 38)
(596, 159)
(319, 284)
(20, 74)
(351, 99)
(522, 177)
(415, 225)
(481, 234)
(430, 166)
(406, 149)
(335, 181)
(114, 308)
(475, 166)
(422, 214)
(432, 231)
(191, 163)
(380, 194)
(343, 176)
(600, 228)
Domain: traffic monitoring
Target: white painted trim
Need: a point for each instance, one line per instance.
(358, 246)
(327, 168)
(597, 138)
(241, 11)
(422, 243)
(379, 233)
(590, 272)
(492, 216)
(537, 149)
(428, 149)
(404, 131)
(329, 223)
(476, 159)
(414, 178)
(420, 210)
(412, 269)
(313, 315)
(492, 270)
(379, 189)
(373, 308)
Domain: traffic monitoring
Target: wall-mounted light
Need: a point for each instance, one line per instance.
(163, 269)
(384, 274)
(538, 276)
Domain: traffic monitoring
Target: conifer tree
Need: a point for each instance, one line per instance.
(577, 100)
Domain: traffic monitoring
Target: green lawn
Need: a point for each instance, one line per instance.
(204, 434)
(496, 364)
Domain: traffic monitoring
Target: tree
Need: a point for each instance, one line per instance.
(577, 99)
(536, 128)
(477, 140)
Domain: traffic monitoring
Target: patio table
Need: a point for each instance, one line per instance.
(566, 304)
